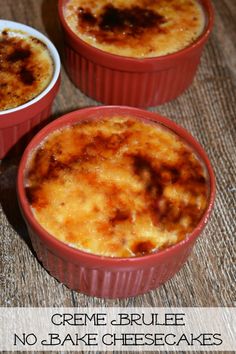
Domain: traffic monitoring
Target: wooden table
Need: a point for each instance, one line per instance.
(208, 111)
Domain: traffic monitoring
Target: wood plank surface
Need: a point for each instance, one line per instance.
(208, 110)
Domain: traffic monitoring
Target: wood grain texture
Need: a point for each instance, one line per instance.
(208, 110)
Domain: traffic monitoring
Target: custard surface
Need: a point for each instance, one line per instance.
(136, 28)
(26, 68)
(116, 187)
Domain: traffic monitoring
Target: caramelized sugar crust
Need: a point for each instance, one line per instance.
(117, 187)
(26, 69)
(136, 28)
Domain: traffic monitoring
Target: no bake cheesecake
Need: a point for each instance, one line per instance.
(136, 28)
(26, 68)
(118, 186)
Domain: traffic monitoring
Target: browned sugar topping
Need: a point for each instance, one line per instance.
(131, 21)
(115, 24)
(24, 69)
(140, 197)
(136, 28)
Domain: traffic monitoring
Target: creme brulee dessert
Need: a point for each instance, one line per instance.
(119, 187)
(136, 28)
(26, 68)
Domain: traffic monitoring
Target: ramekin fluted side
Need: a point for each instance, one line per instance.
(120, 282)
(139, 89)
(14, 138)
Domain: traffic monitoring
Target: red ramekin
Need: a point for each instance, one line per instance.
(95, 275)
(17, 123)
(119, 80)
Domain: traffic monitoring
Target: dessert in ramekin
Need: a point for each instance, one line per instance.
(139, 53)
(111, 211)
(29, 81)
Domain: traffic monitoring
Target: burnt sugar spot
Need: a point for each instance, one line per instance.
(131, 19)
(170, 213)
(31, 193)
(192, 174)
(114, 22)
(154, 178)
(38, 166)
(119, 216)
(45, 166)
(19, 54)
(102, 146)
(141, 248)
(187, 173)
(36, 197)
(153, 184)
(27, 76)
(55, 167)
(86, 17)
(169, 174)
